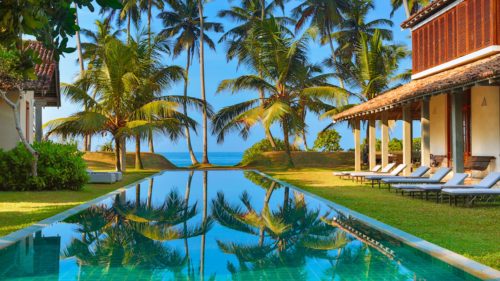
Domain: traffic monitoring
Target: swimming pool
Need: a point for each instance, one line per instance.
(215, 225)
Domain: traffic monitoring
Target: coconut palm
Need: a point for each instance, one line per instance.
(182, 21)
(292, 233)
(119, 107)
(93, 47)
(247, 14)
(374, 67)
(324, 15)
(130, 12)
(355, 23)
(131, 234)
(410, 6)
(284, 62)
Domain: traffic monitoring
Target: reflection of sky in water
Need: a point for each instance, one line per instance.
(355, 260)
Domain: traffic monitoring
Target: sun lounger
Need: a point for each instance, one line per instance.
(458, 178)
(102, 177)
(434, 179)
(384, 171)
(347, 173)
(471, 192)
(377, 178)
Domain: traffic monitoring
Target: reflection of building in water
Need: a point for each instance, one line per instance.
(29, 256)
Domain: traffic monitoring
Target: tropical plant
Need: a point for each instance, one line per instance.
(130, 12)
(120, 107)
(284, 66)
(254, 152)
(410, 6)
(51, 23)
(61, 167)
(130, 234)
(324, 15)
(183, 23)
(328, 140)
(236, 38)
(107, 147)
(355, 23)
(284, 237)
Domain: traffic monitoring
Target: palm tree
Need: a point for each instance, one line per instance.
(86, 139)
(183, 23)
(130, 12)
(324, 15)
(284, 63)
(119, 108)
(355, 23)
(410, 6)
(247, 14)
(293, 233)
(92, 49)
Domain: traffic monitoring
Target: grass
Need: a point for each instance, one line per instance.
(472, 232)
(21, 209)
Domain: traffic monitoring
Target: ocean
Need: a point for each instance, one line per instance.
(181, 159)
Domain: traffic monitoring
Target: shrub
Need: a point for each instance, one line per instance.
(328, 140)
(60, 166)
(255, 151)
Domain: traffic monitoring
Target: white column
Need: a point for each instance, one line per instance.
(372, 139)
(407, 139)
(384, 147)
(425, 133)
(357, 146)
(457, 132)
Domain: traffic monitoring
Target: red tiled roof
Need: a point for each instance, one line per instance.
(425, 13)
(461, 76)
(46, 69)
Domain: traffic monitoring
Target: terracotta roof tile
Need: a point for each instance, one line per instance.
(461, 76)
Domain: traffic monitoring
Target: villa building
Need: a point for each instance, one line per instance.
(454, 91)
(39, 93)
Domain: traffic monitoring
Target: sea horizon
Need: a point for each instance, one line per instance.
(182, 159)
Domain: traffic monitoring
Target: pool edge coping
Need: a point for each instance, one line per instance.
(472, 267)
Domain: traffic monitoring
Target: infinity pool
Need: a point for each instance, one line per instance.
(217, 225)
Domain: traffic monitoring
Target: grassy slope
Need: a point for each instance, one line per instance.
(472, 232)
(302, 159)
(20, 209)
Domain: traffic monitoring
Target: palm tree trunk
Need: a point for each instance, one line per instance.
(150, 6)
(267, 198)
(138, 159)
(151, 141)
(117, 155)
(194, 161)
(128, 28)
(137, 194)
(304, 137)
(186, 203)
(202, 83)
(332, 48)
(150, 192)
(205, 202)
(123, 152)
(86, 138)
(407, 8)
(286, 135)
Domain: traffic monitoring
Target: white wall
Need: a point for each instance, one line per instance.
(438, 129)
(8, 133)
(485, 123)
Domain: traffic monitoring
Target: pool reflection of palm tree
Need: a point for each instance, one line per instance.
(293, 232)
(130, 235)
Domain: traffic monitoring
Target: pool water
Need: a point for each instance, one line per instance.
(216, 225)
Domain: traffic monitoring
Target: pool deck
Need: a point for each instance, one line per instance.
(472, 267)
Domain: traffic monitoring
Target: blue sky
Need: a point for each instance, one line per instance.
(217, 68)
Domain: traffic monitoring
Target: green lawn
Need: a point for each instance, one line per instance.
(472, 232)
(21, 209)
